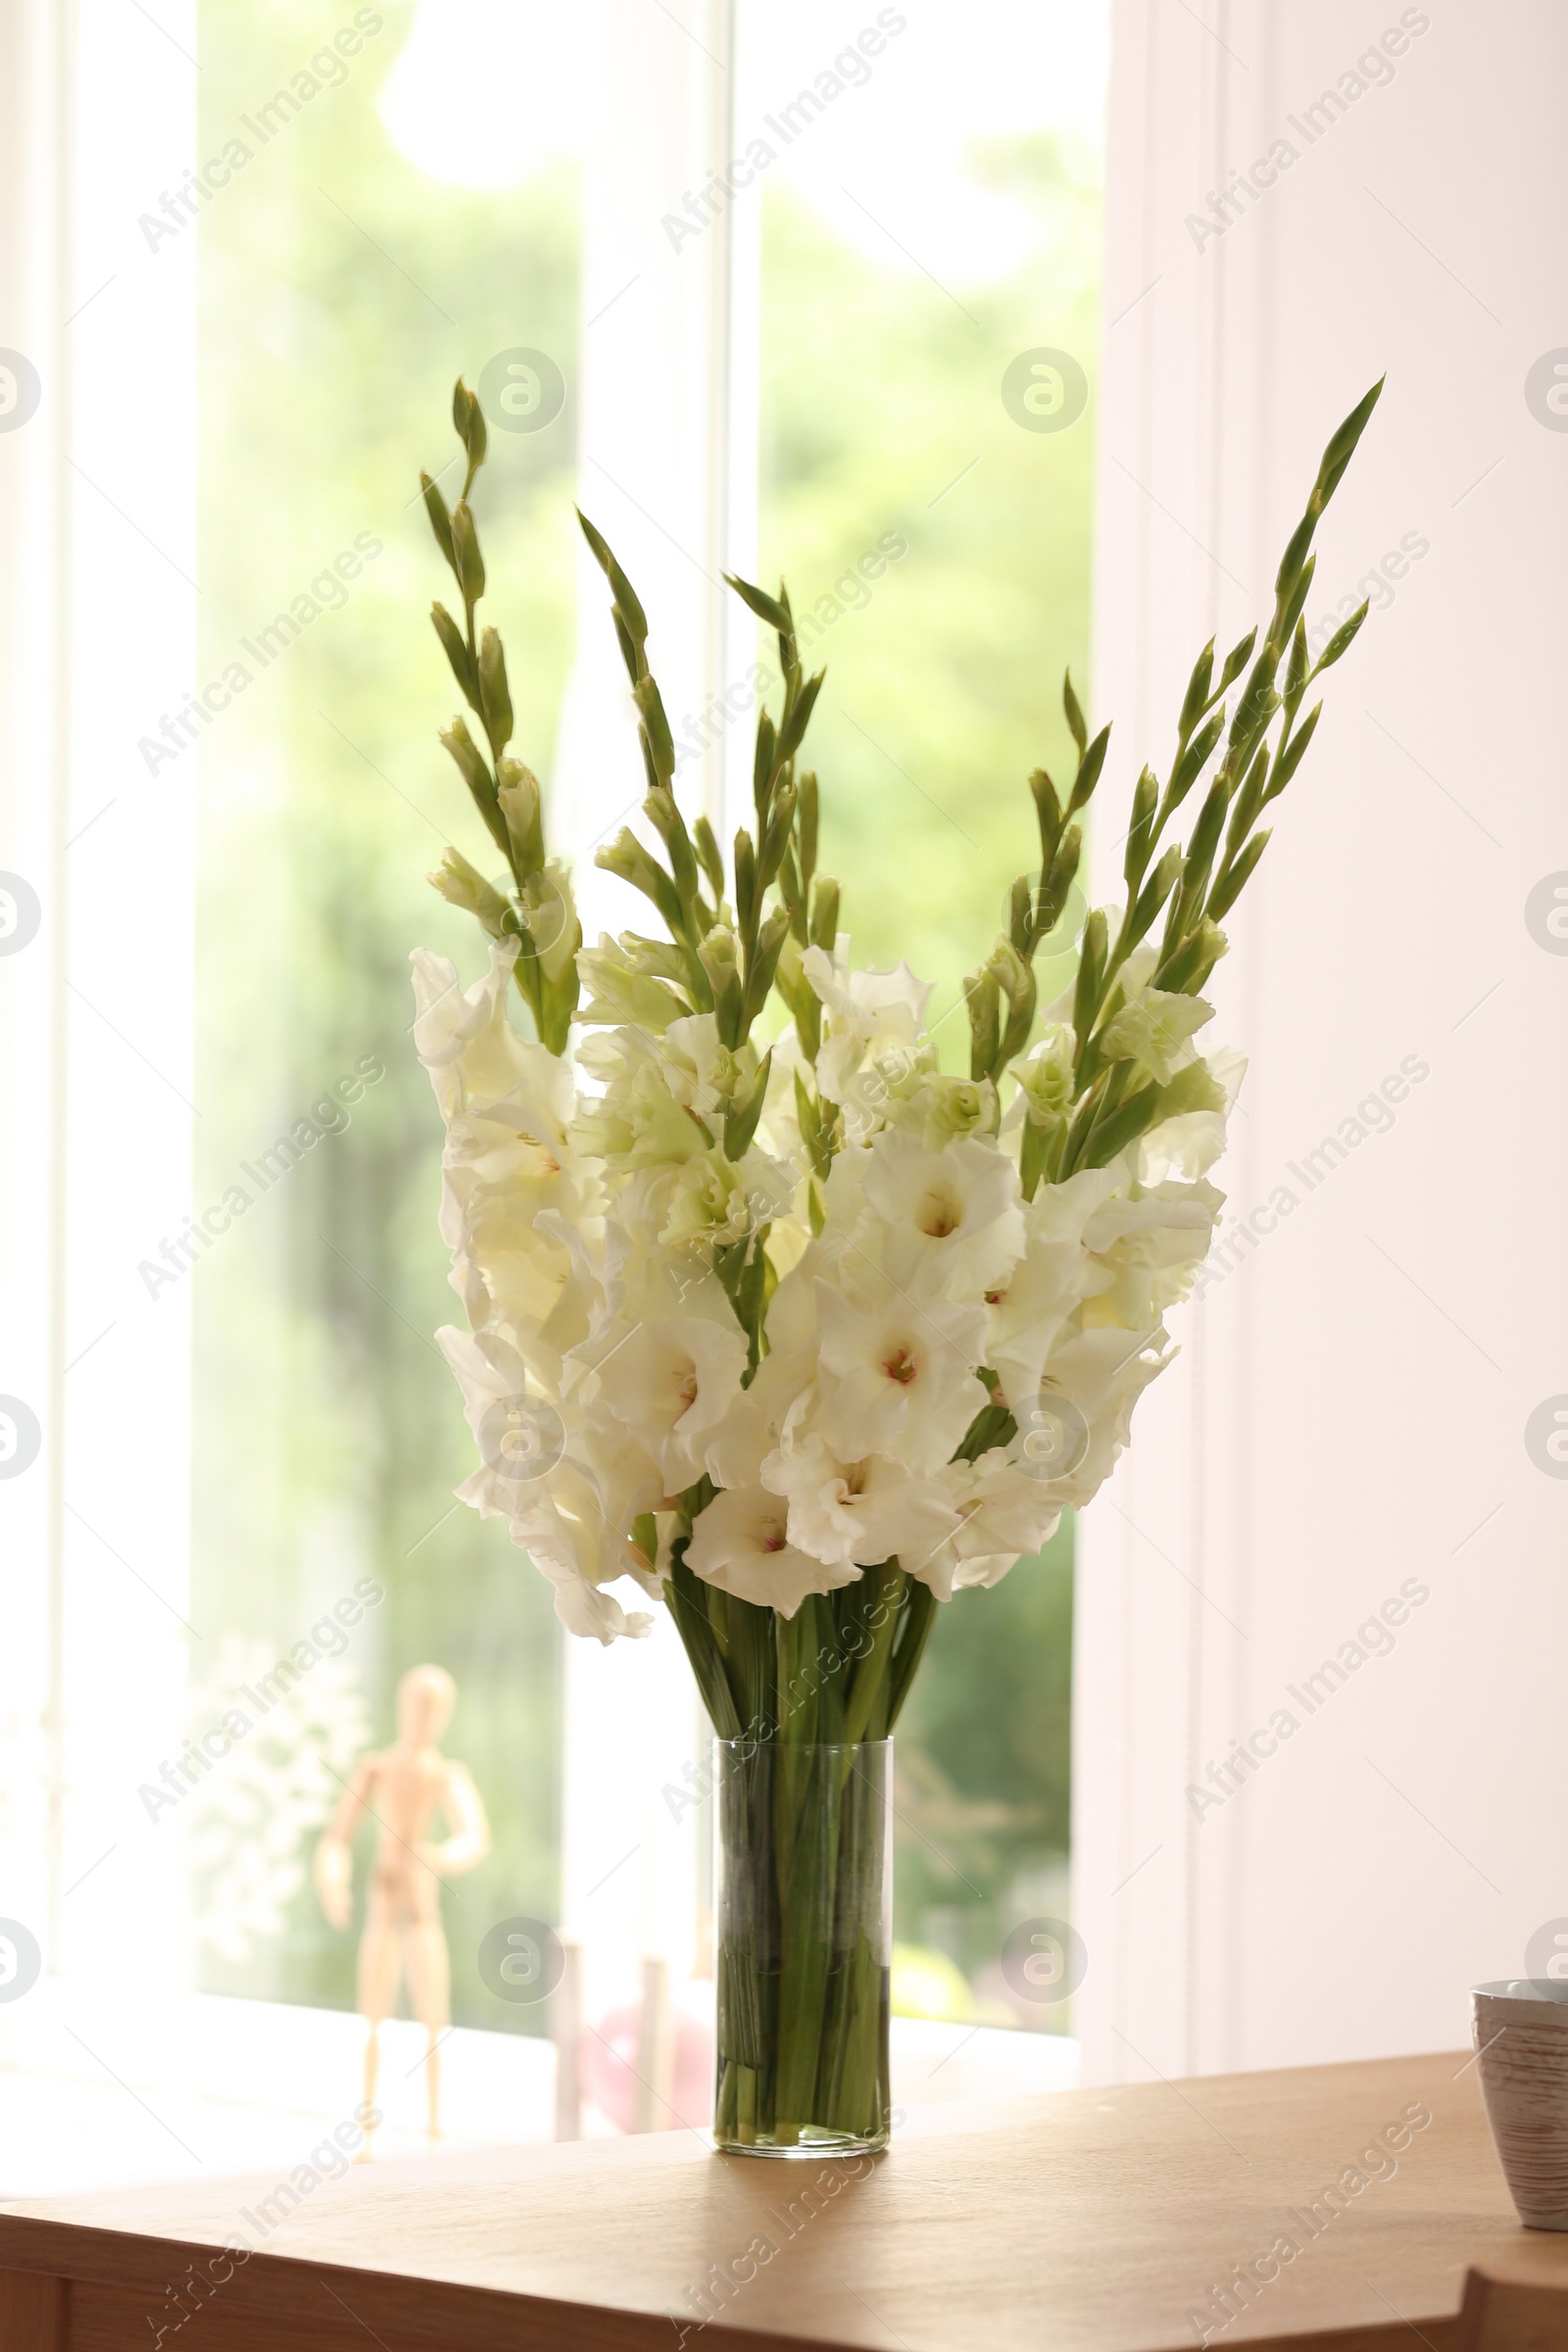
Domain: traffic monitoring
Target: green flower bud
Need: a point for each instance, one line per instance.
(466, 549)
(495, 698)
(463, 885)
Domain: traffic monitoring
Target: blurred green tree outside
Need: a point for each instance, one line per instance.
(341, 292)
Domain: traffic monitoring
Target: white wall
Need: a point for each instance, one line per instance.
(1351, 1407)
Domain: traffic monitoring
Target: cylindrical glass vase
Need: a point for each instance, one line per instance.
(804, 1936)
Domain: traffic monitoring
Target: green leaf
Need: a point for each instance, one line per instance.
(1342, 641)
(1075, 717)
(800, 718)
(984, 999)
(1236, 660)
(1284, 627)
(662, 814)
(626, 856)
(745, 862)
(1020, 915)
(655, 727)
(1297, 667)
(1249, 801)
(1156, 891)
(710, 858)
(629, 607)
(740, 1119)
(466, 549)
(1295, 752)
(806, 824)
(763, 760)
(1228, 889)
(1145, 798)
(1196, 758)
(520, 804)
(1342, 448)
(767, 608)
(777, 839)
(1089, 767)
(457, 653)
(764, 965)
(1056, 882)
(1196, 699)
(1048, 809)
(495, 697)
(1111, 1135)
(435, 506)
(1091, 975)
(466, 752)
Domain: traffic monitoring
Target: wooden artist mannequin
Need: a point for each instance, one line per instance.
(403, 1790)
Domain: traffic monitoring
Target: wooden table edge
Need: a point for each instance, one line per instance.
(287, 2286)
(292, 2287)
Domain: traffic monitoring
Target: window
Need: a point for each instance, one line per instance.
(391, 228)
(227, 1337)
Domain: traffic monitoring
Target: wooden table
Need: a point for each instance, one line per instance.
(1092, 2220)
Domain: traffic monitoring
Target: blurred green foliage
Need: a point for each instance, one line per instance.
(328, 1434)
(341, 292)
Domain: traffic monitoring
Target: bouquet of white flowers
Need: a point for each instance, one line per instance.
(777, 1318)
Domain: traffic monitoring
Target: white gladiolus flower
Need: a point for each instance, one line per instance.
(1083, 1410)
(636, 1122)
(1149, 1249)
(1189, 1144)
(741, 1543)
(718, 1200)
(762, 1307)
(1153, 1032)
(620, 990)
(602, 1239)
(701, 1073)
(670, 1381)
(466, 1041)
(865, 1010)
(550, 913)
(944, 1223)
(898, 1377)
(1002, 1515)
(1050, 1282)
(562, 1529)
(857, 1512)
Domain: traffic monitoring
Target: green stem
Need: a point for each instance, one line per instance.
(871, 1672)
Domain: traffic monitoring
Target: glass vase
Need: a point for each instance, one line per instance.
(804, 1930)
